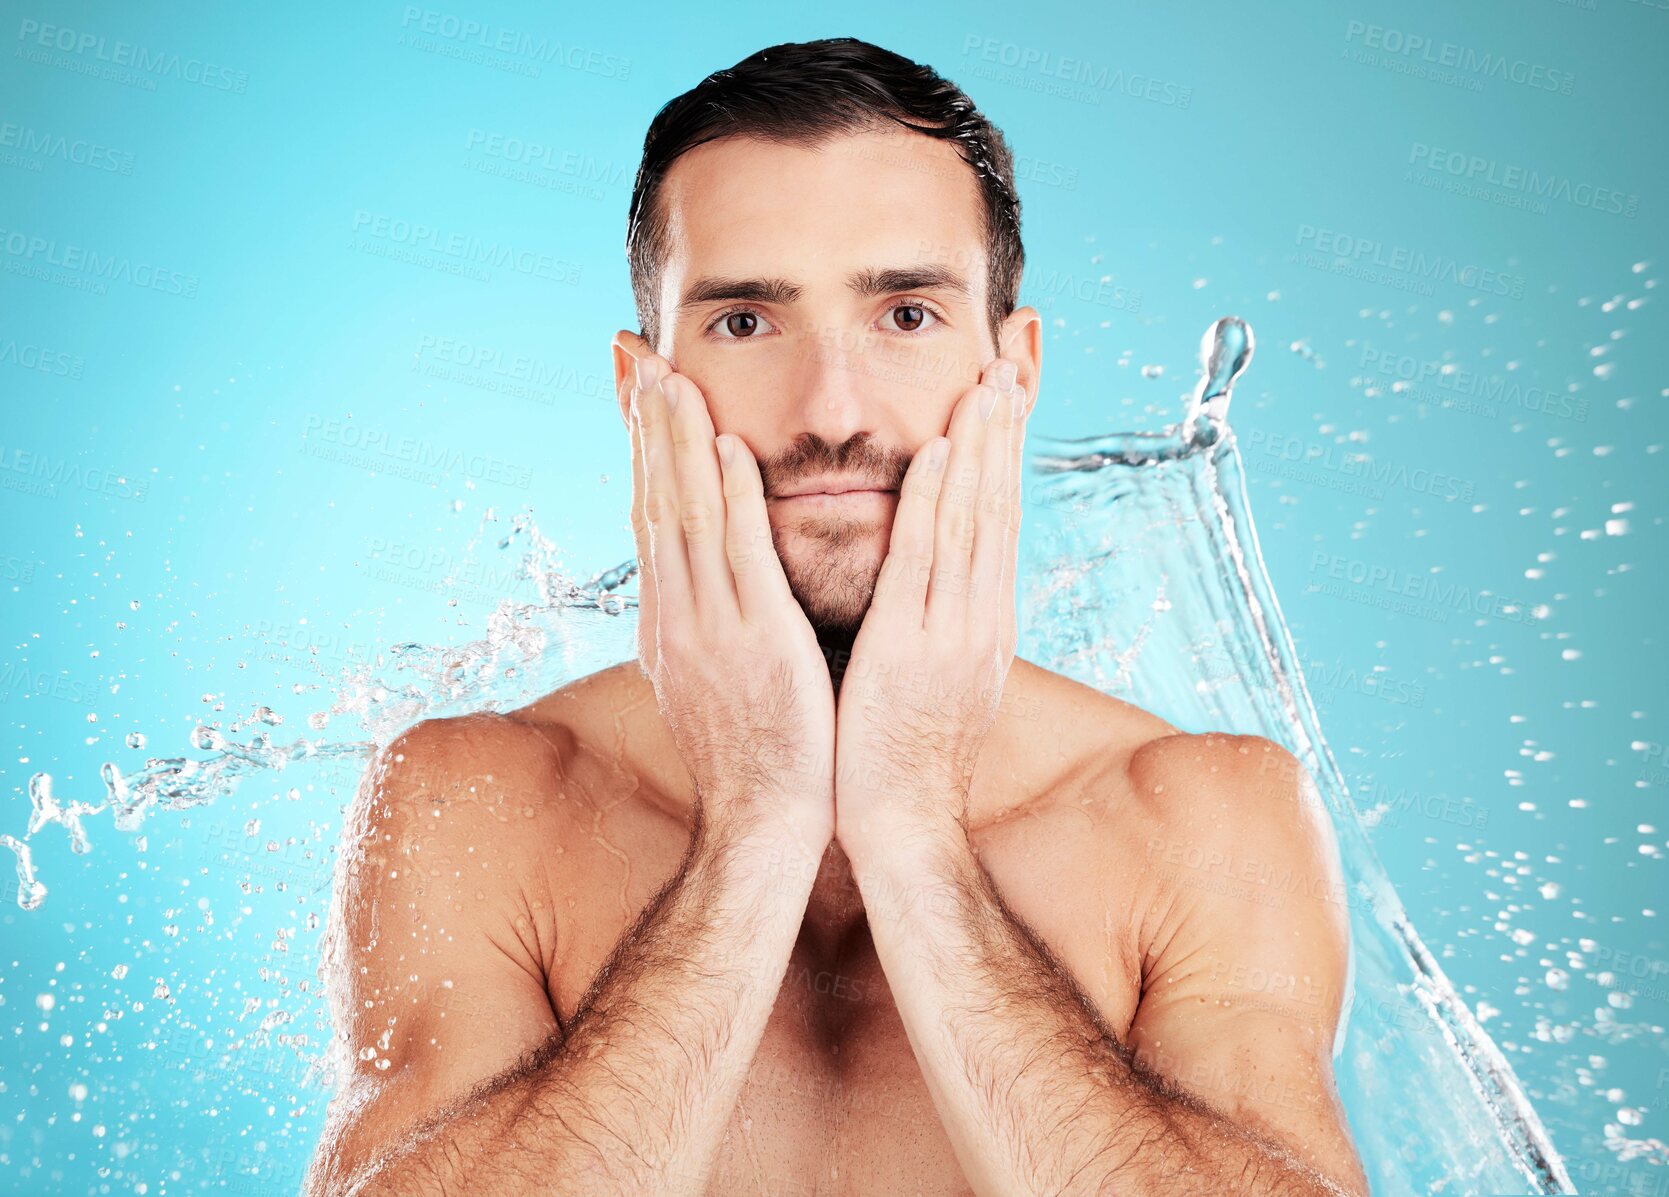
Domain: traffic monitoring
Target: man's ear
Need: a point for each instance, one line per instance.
(627, 347)
(1021, 341)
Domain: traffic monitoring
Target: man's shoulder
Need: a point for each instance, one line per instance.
(531, 743)
(447, 750)
(1116, 753)
(1090, 734)
(1203, 785)
(1220, 781)
(470, 782)
(1235, 823)
(549, 765)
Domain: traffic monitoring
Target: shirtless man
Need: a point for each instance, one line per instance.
(827, 892)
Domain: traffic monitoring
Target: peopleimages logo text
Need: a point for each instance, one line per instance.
(35, 357)
(1408, 261)
(465, 247)
(1447, 54)
(410, 450)
(1475, 168)
(1422, 376)
(116, 268)
(76, 150)
(127, 54)
(537, 47)
(1424, 588)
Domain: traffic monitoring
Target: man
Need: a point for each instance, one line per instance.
(827, 892)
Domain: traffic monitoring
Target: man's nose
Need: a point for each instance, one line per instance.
(833, 394)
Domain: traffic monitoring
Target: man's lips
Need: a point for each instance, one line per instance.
(828, 484)
(833, 490)
(828, 498)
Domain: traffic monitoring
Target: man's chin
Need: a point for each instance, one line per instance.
(834, 590)
(831, 565)
(836, 613)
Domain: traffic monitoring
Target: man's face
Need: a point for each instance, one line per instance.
(831, 305)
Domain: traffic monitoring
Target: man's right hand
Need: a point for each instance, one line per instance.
(738, 673)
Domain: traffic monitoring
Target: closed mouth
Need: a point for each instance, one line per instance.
(829, 494)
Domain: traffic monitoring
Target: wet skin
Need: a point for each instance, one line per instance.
(1179, 892)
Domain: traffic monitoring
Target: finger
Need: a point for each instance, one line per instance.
(901, 588)
(761, 585)
(1023, 403)
(646, 604)
(700, 498)
(990, 569)
(666, 538)
(953, 536)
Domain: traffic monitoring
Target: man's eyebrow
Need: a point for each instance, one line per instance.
(909, 278)
(755, 290)
(864, 282)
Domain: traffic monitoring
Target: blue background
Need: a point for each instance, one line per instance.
(246, 445)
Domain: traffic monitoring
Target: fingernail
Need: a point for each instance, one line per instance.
(727, 449)
(1007, 372)
(672, 388)
(987, 400)
(937, 454)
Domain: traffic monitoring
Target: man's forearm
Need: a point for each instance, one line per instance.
(636, 1099)
(1033, 1089)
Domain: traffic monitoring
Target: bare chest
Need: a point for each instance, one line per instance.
(834, 1102)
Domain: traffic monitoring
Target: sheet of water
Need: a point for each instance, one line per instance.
(1143, 579)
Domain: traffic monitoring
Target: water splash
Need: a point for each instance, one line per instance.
(1144, 552)
(405, 683)
(30, 892)
(1148, 553)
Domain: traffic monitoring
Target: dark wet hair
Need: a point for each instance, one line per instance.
(802, 93)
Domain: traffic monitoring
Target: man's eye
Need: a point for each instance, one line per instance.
(740, 325)
(911, 317)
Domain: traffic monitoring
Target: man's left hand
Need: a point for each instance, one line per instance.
(926, 675)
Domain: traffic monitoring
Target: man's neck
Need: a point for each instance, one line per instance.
(837, 651)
